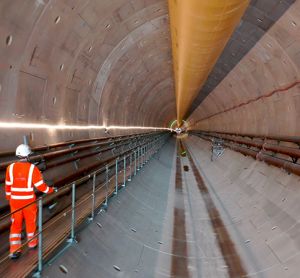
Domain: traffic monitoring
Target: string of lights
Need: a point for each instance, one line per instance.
(15, 125)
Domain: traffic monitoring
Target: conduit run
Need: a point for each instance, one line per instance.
(200, 31)
(260, 150)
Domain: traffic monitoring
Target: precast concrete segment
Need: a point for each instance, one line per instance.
(261, 93)
(179, 249)
(200, 30)
(230, 255)
(284, 89)
(129, 235)
(258, 19)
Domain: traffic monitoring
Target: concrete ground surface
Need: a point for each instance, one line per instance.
(131, 235)
(259, 206)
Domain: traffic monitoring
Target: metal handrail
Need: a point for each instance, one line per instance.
(78, 181)
(146, 150)
(67, 179)
(58, 153)
(72, 142)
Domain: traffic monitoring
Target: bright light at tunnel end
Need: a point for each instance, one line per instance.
(13, 125)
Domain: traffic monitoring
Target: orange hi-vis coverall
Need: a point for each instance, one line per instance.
(21, 178)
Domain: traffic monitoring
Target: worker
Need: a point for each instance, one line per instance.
(21, 178)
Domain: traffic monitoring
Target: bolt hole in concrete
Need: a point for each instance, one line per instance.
(54, 100)
(63, 269)
(57, 19)
(61, 67)
(186, 168)
(9, 40)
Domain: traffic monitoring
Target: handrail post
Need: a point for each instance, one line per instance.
(93, 197)
(153, 148)
(135, 162)
(146, 153)
(106, 185)
(142, 156)
(72, 239)
(139, 159)
(130, 167)
(124, 178)
(116, 183)
(40, 237)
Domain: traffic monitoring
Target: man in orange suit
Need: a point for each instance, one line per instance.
(21, 178)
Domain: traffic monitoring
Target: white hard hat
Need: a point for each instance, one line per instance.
(23, 150)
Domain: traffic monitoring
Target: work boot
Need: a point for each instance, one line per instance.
(15, 255)
(32, 244)
(32, 247)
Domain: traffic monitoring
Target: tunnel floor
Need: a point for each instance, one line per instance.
(187, 217)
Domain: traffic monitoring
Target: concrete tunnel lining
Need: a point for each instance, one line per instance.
(262, 90)
(109, 62)
(88, 40)
(96, 70)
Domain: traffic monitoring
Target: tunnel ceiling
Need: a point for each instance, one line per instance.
(82, 61)
(109, 62)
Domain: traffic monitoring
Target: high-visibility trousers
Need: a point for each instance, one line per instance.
(29, 214)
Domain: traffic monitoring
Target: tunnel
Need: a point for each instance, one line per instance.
(168, 130)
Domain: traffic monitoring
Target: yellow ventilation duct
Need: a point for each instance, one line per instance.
(200, 31)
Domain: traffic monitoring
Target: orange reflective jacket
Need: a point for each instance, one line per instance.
(21, 178)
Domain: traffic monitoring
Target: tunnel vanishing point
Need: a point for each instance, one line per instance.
(170, 129)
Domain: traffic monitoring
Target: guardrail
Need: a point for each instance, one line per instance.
(117, 172)
(88, 161)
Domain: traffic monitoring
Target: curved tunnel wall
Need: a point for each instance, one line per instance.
(85, 62)
(109, 62)
(261, 94)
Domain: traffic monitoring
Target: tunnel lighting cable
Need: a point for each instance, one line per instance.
(14, 125)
